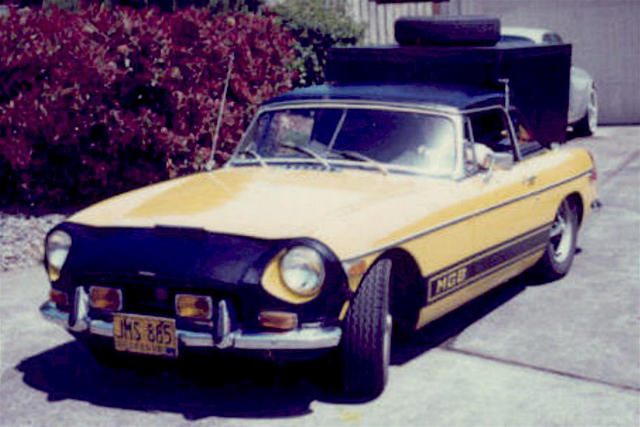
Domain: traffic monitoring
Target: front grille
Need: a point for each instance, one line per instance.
(145, 299)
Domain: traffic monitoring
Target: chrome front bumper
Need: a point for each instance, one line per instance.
(298, 339)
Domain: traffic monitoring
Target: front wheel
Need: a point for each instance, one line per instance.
(366, 346)
(558, 255)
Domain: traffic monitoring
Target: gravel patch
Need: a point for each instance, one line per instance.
(22, 239)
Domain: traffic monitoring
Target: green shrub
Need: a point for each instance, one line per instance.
(316, 28)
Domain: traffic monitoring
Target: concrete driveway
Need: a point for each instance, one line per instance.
(565, 353)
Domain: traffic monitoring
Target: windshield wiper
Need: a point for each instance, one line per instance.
(255, 155)
(307, 151)
(359, 156)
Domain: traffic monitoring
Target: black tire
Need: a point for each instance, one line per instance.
(588, 124)
(559, 253)
(366, 345)
(467, 30)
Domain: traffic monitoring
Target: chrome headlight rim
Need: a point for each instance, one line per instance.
(302, 262)
(57, 247)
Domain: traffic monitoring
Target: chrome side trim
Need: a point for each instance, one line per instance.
(464, 218)
(298, 339)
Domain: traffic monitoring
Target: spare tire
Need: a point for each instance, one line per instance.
(460, 30)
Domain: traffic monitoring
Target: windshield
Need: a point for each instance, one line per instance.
(323, 135)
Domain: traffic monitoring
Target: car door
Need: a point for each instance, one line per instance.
(544, 172)
(508, 234)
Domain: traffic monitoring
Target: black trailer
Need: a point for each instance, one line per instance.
(538, 76)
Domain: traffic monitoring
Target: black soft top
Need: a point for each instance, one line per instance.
(448, 96)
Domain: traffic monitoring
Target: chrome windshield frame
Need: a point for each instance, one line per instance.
(447, 112)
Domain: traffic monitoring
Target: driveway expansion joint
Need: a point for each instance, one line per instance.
(540, 368)
(626, 162)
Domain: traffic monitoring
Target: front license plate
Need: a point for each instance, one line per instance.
(145, 334)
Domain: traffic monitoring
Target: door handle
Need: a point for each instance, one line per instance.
(530, 180)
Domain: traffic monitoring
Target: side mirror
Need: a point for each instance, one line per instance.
(502, 161)
(470, 162)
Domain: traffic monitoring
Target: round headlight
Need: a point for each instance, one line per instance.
(302, 270)
(58, 245)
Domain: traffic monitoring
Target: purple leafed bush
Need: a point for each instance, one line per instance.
(100, 101)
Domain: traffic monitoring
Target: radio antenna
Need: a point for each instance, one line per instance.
(211, 163)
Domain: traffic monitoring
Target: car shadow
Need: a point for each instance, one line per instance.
(197, 387)
(229, 385)
(449, 326)
(446, 328)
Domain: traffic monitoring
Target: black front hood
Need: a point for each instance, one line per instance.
(140, 259)
(165, 252)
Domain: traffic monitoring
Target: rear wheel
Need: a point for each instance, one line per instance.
(589, 123)
(366, 346)
(558, 254)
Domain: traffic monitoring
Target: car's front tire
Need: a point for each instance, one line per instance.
(560, 250)
(366, 346)
(588, 124)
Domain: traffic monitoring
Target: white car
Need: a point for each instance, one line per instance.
(583, 98)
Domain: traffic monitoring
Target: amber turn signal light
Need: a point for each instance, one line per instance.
(54, 273)
(104, 298)
(194, 306)
(357, 269)
(59, 297)
(278, 320)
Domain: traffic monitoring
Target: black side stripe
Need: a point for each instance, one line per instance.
(478, 266)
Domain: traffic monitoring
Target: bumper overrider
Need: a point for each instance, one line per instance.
(229, 269)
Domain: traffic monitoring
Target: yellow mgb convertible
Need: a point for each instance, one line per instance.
(347, 211)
